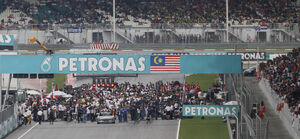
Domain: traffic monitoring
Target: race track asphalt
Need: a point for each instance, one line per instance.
(158, 129)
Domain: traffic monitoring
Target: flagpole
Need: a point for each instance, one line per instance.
(227, 40)
(53, 89)
(184, 82)
(114, 21)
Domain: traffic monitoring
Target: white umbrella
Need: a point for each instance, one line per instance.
(67, 96)
(231, 103)
(20, 92)
(56, 93)
(33, 92)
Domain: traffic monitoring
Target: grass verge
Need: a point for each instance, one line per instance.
(210, 127)
(204, 80)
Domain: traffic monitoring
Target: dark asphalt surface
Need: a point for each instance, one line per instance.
(158, 129)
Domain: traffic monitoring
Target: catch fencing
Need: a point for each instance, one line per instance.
(251, 125)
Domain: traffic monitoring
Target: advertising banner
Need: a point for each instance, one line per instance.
(6, 40)
(250, 56)
(210, 110)
(104, 46)
(74, 30)
(119, 64)
(210, 64)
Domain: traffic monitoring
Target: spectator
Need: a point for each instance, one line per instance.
(283, 76)
(40, 115)
(183, 12)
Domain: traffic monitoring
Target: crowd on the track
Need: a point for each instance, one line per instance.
(125, 101)
(156, 11)
(283, 75)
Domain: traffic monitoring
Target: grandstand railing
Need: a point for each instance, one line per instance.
(288, 26)
(175, 33)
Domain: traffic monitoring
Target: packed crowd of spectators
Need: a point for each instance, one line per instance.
(180, 38)
(125, 101)
(283, 75)
(209, 11)
(157, 11)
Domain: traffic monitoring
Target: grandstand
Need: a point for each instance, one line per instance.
(170, 21)
(261, 28)
(170, 11)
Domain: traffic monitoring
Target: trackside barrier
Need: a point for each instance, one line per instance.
(8, 120)
(289, 119)
(229, 128)
(250, 127)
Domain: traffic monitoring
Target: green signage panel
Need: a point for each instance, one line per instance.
(72, 63)
(210, 110)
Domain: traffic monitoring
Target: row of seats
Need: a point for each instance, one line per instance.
(156, 11)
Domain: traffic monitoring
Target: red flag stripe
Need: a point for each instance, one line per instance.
(164, 70)
(172, 58)
(165, 67)
(172, 62)
(172, 65)
(177, 71)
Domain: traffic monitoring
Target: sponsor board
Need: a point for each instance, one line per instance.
(250, 56)
(74, 30)
(4, 128)
(6, 40)
(8, 126)
(210, 110)
(119, 64)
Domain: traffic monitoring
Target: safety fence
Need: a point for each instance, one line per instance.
(251, 125)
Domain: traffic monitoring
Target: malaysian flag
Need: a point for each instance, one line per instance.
(263, 27)
(165, 64)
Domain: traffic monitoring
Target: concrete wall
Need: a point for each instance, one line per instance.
(245, 33)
